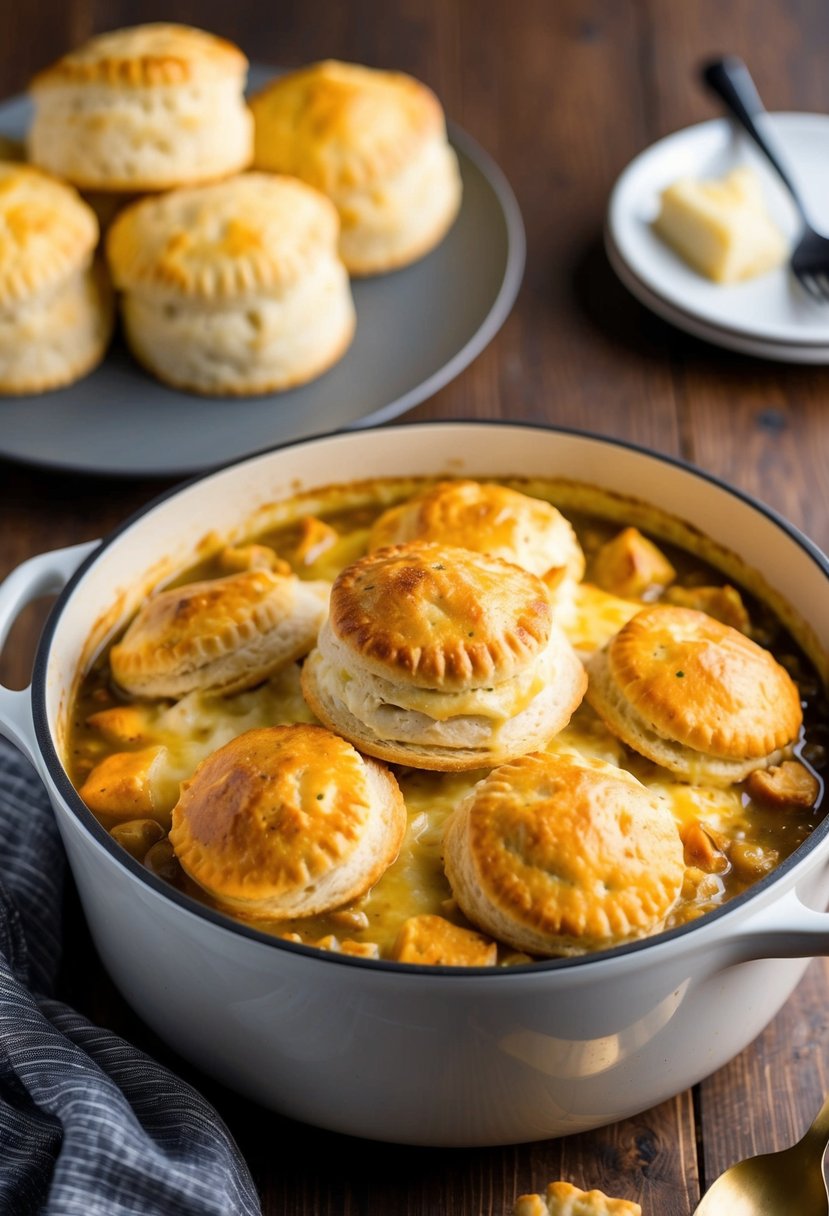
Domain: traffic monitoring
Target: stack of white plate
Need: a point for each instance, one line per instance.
(770, 316)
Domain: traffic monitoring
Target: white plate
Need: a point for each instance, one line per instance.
(760, 347)
(416, 329)
(771, 308)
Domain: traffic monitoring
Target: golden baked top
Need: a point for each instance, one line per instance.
(46, 231)
(220, 634)
(704, 684)
(440, 617)
(254, 232)
(339, 125)
(486, 518)
(276, 811)
(561, 854)
(154, 54)
(735, 827)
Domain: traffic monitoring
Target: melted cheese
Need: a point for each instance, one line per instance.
(594, 616)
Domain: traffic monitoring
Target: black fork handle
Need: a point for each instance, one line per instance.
(731, 80)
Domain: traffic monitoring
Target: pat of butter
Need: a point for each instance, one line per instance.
(721, 228)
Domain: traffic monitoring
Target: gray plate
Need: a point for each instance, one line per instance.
(416, 330)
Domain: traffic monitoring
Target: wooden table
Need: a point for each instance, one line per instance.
(563, 93)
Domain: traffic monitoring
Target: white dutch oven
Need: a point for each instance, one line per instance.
(418, 1054)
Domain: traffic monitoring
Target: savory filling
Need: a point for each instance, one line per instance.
(128, 756)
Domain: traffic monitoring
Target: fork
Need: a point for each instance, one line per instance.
(775, 1184)
(730, 79)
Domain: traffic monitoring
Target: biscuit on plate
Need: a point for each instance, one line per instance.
(559, 855)
(564, 1199)
(694, 695)
(56, 309)
(233, 288)
(440, 658)
(287, 821)
(487, 518)
(219, 635)
(375, 142)
(144, 108)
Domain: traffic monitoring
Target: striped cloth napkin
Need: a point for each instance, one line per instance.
(89, 1125)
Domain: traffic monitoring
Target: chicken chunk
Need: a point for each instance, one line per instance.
(723, 603)
(630, 565)
(237, 558)
(431, 940)
(126, 784)
(786, 784)
(704, 848)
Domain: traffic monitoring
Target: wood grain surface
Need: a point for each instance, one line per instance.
(563, 93)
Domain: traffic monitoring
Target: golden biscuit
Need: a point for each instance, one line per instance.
(145, 108)
(235, 287)
(287, 821)
(440, 616)
(374, 142)
(56, 310)
(564, 1199)
(219, 635)
(486, 518)
(558, 855)
(440, 658)
(694, 695)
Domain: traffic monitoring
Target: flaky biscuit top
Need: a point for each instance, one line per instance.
(574, 848)
(487, 518)
(184, 628)
(158, 53)
(440, 617)
(343, 126)
(704, 684)
(46, 231)
(254, 232)
(276, 807)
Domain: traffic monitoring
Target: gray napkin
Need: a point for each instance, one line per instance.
(89, 1125)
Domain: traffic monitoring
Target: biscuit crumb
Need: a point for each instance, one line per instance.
(564, 1199)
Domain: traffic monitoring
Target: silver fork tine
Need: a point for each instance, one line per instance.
(820, 286)
(809, 284)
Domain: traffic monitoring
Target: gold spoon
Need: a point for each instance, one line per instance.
(787, 1183)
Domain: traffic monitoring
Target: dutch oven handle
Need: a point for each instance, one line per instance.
(787, 928)
(46, 574)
